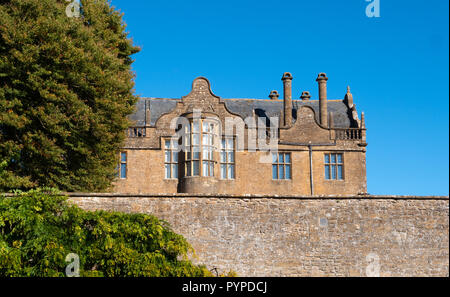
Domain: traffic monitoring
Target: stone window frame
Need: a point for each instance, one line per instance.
(123, 163)
(225, 160)
(281, 163)
(171, 151)
(199, 156)
(332, 167)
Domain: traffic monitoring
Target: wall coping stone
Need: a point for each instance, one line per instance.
(247, 196)
(256, 196)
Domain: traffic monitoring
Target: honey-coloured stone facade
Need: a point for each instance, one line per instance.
(306, 129)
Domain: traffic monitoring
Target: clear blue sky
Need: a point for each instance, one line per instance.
(397, 66)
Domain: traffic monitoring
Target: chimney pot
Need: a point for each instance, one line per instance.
(287, 75)
(322, 76)
(274, 95)
(305, 96)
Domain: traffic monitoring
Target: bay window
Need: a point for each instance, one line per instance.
(199, 153)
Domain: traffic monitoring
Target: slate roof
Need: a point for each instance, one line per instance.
(244, 108)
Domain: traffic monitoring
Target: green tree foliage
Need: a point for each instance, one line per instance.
(66, 89)
(38, 230)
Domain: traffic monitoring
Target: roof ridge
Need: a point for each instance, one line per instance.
(247, 99)
(158, 98)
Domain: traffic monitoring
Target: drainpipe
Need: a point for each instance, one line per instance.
(310, 146)
(311, 170)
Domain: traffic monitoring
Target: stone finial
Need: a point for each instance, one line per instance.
(331, 119)
(253, 122)
(274, 95)
(148, 113)
(363, 121)
(348, 98)
(305, 96)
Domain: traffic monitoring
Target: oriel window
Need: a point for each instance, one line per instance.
(199, 158)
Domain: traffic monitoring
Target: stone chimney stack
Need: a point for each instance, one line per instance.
(322, 80)
(287, 83)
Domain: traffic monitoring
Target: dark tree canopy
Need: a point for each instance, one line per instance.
(66, 89)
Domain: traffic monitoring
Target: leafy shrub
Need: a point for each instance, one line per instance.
(38, 229)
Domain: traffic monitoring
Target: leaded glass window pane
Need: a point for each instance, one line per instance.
(123, 171)
(205, 168)
(281, 166)
(223, 171)
(340, 175)
(196, 168)
(334, 166)
(167, 156)
(232, 171)
(174, 170)
(227, 159)
(288, 171)
(211, 168)
(196, 127)
(167, 166)
(281, 172)
(171, 159)
(122, 166)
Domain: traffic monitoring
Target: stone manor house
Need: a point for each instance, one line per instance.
(273, 146)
